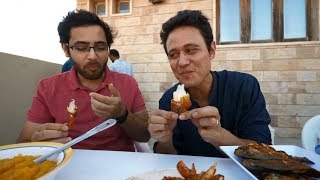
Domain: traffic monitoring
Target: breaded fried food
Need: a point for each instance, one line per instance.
(181, 100)
(72, 110)
(191, 174)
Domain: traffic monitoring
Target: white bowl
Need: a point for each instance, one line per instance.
(36, 149)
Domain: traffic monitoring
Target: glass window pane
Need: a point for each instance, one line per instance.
(229, 20)
(261, 19)
(124, 7)
(294, 12)
(101, 10)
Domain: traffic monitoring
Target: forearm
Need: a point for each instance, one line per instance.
(136, 126)
(27, 130)
(165, 148)
(228, 139)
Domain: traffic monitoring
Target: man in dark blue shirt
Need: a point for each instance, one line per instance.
(67, 65)
(228, 108)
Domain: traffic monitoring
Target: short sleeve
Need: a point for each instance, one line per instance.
(138, 102)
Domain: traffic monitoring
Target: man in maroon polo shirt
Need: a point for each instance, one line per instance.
(99, 93)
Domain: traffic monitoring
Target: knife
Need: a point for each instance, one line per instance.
(103, 126)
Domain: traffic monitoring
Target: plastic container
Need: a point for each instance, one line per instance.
(317, 148)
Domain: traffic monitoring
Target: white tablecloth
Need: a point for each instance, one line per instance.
(116, 165)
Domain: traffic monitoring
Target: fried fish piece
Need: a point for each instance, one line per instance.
(280, 166)
(264, 151)
(277, 176)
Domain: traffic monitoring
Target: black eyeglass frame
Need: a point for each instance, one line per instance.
(89, 48)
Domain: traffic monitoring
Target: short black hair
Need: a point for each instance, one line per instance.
(193, 18)
(114, 53)
(78, 18)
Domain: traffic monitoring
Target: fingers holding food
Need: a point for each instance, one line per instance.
(198, 113)
(161, 124)
(204, 118)
(208, 122)
(163, 117)
(181, 100)
(50, 132)
(108, 106)
(161, 132)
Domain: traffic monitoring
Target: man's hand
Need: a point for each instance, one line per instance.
(52, 132)
(106, 106)
(207, 120)
(161, 125)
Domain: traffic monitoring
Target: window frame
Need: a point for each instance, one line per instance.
(312, 23)
(92, 6)
(115, 7)
(99, 4)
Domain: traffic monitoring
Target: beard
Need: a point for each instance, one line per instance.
(89, 74)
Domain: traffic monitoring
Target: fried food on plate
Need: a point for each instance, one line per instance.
(181, 100)
(23, 167)
(288, 167)
(264, 151)
(72, 110)
(191, 174)
(272, 164)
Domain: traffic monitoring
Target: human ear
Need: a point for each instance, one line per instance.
(212, 50)
(65, 49)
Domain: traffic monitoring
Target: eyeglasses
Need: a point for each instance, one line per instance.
(84, 49)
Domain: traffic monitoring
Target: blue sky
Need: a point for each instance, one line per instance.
(29, 28)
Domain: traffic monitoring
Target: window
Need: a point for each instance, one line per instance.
(98, 7)
(230, 21)
(253, 21)
(121, 6)
(294, 12)
(261, 20)
(101, 9)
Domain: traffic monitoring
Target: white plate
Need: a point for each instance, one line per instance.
(155, 175)
(36, 149)
(289, 149)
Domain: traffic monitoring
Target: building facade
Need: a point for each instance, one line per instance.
(281, 48)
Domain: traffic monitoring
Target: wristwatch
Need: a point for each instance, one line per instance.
(123, 117)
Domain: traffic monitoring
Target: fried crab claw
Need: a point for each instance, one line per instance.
(191, 174)
(72, 110)
(181, 100)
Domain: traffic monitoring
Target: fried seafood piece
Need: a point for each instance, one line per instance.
(172, 178)
(72, 110)
(264, 151)
(276, 176)
(181, 100)
(185, 171)
(280, 166)
(191, 174)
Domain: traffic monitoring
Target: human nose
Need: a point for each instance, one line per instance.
(92, 53)
(183, 60)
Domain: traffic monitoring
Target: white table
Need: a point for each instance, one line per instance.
(116, 165)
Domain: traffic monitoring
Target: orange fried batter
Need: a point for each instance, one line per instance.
(72, 110)
(182, 105)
